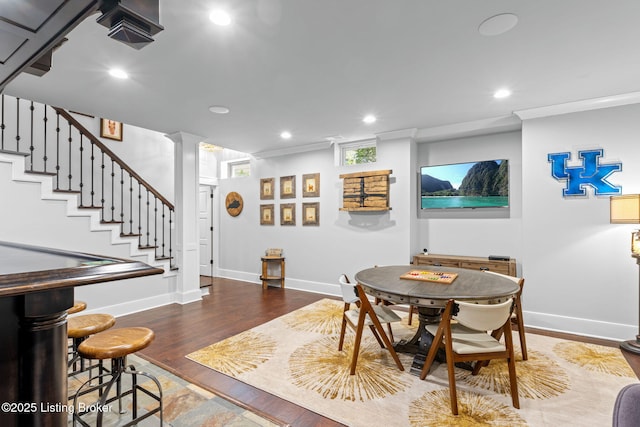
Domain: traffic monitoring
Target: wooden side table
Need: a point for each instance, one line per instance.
(266, 260)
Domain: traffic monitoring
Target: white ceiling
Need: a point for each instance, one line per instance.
(316, 68)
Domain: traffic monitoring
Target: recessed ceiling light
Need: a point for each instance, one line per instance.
(219, 109)
(285, 135)
(502, 93)
(369, 119)
(118, 73)
(498, 24)
(220, 17)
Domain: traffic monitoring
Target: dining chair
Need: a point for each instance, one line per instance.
(516, 316)
(463, 332)
(364, 314)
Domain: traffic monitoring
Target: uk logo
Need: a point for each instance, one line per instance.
(592, 173)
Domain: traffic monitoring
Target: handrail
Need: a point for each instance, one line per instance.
(111, 154)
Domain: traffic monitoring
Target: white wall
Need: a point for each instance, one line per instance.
(477, 232)
(580, 276)
(344, 242)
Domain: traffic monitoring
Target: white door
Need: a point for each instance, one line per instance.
(205, 229)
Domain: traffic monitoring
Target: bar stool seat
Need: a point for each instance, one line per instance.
(78, 306)
(116, 344)
(79, 328)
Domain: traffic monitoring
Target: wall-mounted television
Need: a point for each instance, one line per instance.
(482, 184)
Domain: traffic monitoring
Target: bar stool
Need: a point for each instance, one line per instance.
(116, 344)
(79, 328)
(78, 306)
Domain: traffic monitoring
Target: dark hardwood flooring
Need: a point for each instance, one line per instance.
(230, 308)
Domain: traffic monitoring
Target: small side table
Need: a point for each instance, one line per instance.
(266, 260)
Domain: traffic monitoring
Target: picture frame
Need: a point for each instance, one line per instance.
(311, 213)
(288, 187)
(110, 129)
(267, 214)
(288, 214)
(311, 185)
(267, 188)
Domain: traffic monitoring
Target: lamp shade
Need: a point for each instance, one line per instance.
(625, 209)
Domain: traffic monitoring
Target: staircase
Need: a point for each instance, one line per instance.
(47, 145)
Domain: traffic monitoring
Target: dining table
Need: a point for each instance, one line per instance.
(425, 288)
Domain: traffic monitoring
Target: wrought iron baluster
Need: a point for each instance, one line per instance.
(2, 125)
(121, 200)
(113, 197)
(139, 214)
(102, 166)
(130, 204)
(148, 222)
(44, 156)
(70, 139)
(93, 158)
(18, 125)
(163, 227)
(171, 261)
(57, 151)
(31, 147)
(81, 169)
(155, 226)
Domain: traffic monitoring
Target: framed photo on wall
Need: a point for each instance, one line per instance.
(266, 215)
(288, 214)
(111, 129)
(266, 188)
(311, 213)
(288, 187)
(311, 185)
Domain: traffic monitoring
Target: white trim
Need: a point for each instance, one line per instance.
(467, 129)
(578, 326)
(577, 106)
(292, 150)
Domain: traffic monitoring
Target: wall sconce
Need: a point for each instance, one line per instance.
(626, 210)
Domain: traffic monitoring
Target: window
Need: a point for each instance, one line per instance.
(355, 153)
(239, 168)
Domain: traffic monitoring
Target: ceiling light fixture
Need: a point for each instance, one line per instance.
(498, 24)
(118, 73)
(502, 93)
(368, 119)
(220, 17)
(219, 109)
(285, 135)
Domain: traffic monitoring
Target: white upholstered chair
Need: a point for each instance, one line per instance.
(364, 314)
(463, 332)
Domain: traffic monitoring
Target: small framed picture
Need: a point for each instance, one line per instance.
(311, 213)
(311, 185)
(288, 187)
(288, 214)
(266, 188)
(111, 129)
(266, 215)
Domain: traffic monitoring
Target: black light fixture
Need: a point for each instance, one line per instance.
(132, 22)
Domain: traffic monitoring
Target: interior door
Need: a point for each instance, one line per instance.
(205, 229)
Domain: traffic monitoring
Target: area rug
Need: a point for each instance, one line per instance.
(296, 357)
(184, 404)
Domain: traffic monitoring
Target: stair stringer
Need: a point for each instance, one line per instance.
(19, 174)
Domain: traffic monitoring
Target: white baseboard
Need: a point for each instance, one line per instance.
(577, 326)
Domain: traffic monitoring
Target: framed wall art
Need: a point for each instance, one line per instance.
(266, 188)
(267, 214)
(311, 185)
(111, 129)
(288, 214)
(288, 187)
(311, 213)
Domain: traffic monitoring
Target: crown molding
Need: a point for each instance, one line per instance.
(467, 129)
(292, 150)
(578, 106)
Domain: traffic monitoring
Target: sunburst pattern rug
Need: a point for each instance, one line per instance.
(296, 357)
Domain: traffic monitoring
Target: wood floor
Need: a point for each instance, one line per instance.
(230, 308)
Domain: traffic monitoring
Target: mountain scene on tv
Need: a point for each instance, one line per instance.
(465, 185)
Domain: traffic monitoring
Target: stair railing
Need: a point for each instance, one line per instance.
(58, 145)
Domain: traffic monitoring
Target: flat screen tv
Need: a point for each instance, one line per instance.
(483, 184)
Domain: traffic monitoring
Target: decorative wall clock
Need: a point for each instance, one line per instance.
(234, 203)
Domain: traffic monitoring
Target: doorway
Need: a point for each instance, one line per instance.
(206, 229)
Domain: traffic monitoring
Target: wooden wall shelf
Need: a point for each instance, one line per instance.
(366, 191)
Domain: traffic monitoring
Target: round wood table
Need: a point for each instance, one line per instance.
(430, 297)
